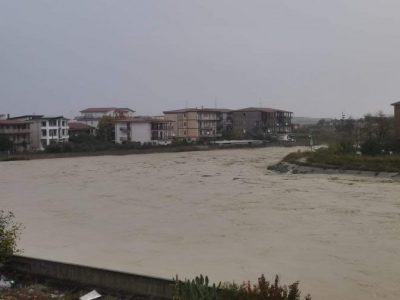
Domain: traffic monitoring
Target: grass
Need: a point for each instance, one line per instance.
(326, 158)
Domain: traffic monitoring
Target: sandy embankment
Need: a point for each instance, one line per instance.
(220, 213)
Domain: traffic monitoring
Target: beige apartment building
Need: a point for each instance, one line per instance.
(34, 132)
(18, 132)
(197, 123)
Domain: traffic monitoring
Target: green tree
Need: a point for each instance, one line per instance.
(106, 129)
(9, 234)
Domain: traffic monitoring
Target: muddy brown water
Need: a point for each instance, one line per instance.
(220, 213)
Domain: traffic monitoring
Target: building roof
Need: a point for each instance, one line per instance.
(262, 109)
(143, 119)
(27, 117)
(105, 109)
(396, 103)
(13, 122)
(78, 126)
(36, 117)
(196, 109)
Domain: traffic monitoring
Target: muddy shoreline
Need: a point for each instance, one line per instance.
(292, 168)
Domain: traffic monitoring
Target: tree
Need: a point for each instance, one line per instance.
(5, 143)
(106, 129)
(378, 133)
(9, 234)
(347, 135)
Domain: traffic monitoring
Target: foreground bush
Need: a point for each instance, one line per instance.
(9, 233)
(200, 289)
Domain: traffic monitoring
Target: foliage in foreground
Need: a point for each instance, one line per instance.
(9, 233)
(200, 289)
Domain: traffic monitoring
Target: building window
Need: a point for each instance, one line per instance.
(44, 132)
(44, 123)
(53, 123)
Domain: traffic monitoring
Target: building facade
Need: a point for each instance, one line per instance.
(35, 132)
(80, 129)
(18, 132)
(92, 116)
(199, 123)
(397, 118)
(143, 130)
(259, 123)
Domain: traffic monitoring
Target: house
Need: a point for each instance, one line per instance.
(199, 123)
(143, 130)
(253, 122)
(80, 129)
(42, 130)
(92, 116)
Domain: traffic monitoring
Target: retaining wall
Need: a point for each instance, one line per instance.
(121, 282)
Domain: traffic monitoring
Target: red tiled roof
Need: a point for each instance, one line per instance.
(262, 109)
(105, 109)
(196, 110)
(78, 126)
(13, 122)
(143, 119)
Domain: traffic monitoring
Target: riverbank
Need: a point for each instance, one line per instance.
(143, 150)
(324, 161)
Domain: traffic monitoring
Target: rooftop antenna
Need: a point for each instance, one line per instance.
(215, 103)
(259, 103)
(186, 104)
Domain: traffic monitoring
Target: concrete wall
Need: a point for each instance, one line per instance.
(121, 132)
(141, 132)
(154, 288)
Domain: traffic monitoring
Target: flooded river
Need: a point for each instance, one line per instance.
(220, 213)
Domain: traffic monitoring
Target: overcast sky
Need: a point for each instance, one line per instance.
(315, 58)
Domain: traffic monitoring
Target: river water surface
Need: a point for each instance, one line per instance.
(220, 213)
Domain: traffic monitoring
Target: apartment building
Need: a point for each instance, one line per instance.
(92, 116)
(154, 130)
(199, 123)
(18, 132)
(44, 130)
(253, 122)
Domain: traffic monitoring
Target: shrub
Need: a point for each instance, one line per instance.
(9, 233)
(200, 289)
(371, 147)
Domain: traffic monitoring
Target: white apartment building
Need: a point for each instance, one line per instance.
(92, 116)
(143, 130)
(53, 130)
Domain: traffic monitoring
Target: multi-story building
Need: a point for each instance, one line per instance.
(92, 116)
(397, 118)
(143, 130)
(18, 132)
(199, 123)
(255, 122)
(44, 130)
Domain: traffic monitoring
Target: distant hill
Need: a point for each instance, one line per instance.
(307, 121)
